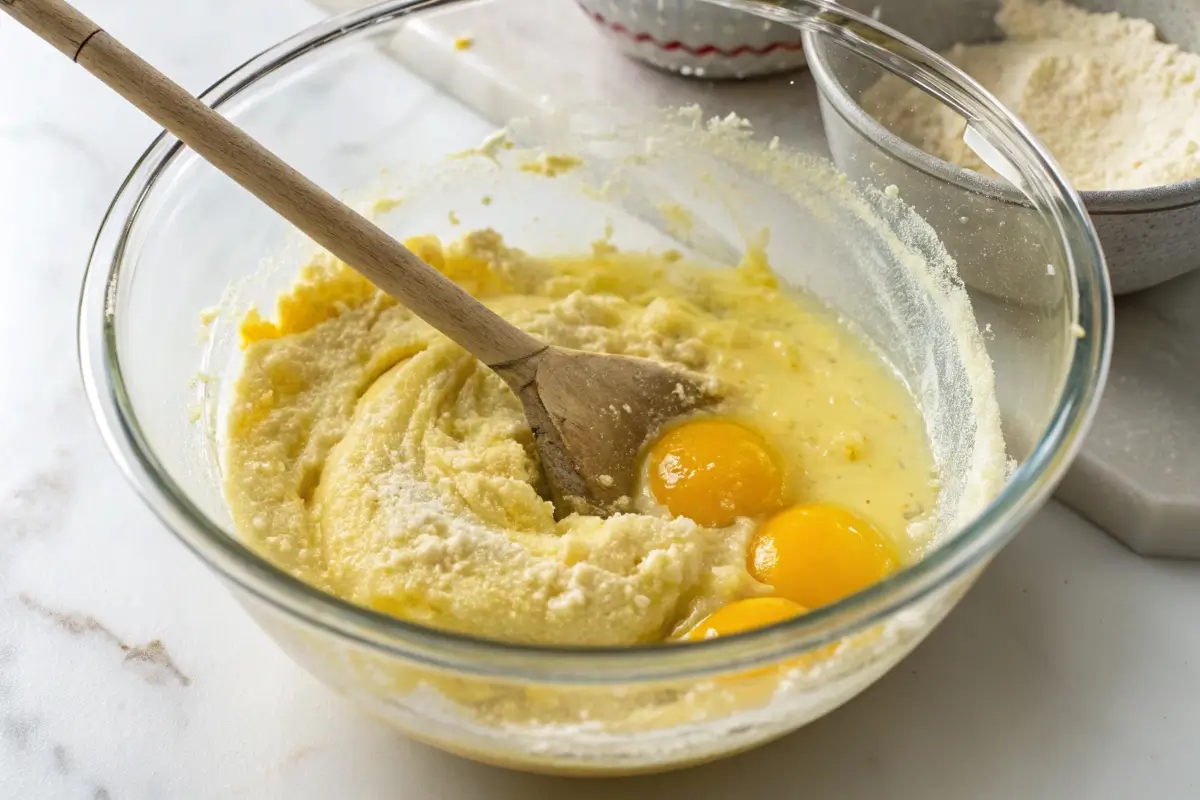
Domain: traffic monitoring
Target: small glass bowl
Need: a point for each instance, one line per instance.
(366, 91)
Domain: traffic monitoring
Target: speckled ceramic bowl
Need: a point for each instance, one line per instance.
(1149, 235)
(697, 38)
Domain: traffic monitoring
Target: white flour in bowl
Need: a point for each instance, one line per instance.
(1118, 108)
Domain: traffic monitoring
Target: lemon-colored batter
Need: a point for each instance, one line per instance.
(378, 461)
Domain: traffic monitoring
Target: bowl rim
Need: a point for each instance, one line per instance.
(963, 553)
(1099, 202)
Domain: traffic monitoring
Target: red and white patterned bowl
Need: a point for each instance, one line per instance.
(697, 38)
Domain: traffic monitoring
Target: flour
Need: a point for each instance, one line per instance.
(1118, 108)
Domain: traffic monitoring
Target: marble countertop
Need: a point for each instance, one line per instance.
(127, 670)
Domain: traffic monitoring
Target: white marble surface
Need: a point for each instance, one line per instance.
(127, 671)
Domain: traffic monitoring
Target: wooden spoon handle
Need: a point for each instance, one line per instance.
(328, 221)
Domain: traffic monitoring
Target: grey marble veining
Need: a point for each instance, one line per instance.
(127, 670)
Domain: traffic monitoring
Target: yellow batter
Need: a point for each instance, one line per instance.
(373, 458)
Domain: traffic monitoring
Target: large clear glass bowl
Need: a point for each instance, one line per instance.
(386, 88)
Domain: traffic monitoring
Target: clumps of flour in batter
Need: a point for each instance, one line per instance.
(373, 458)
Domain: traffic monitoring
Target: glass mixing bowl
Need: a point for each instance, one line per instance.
(396, 88)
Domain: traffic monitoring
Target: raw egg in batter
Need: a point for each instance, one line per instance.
(817, 554)
(713, 471)
(744, 615)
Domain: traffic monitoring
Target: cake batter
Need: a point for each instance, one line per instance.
(376, 460)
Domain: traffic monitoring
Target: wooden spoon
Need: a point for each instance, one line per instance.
(590, 413)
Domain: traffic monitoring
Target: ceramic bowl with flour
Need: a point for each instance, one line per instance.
(1150, 233)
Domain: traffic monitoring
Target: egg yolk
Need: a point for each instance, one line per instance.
(744, 615)
(818, 554)
(714, 471)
